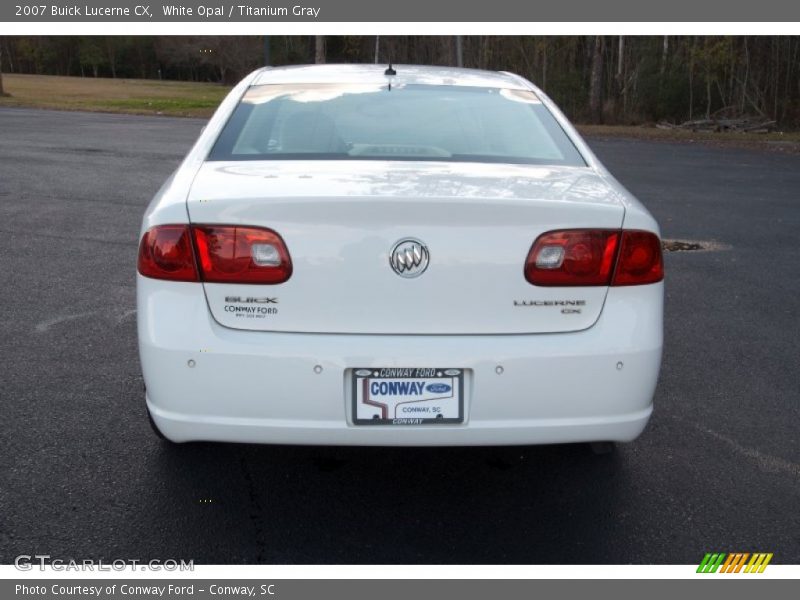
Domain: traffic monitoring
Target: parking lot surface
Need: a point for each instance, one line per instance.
(82, 476)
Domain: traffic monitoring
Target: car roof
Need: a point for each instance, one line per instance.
(372, 73)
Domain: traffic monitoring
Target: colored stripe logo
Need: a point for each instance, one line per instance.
(735, 562)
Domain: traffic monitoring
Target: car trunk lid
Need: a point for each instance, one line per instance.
(341, 219)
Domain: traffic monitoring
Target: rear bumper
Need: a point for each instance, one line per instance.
(262, 387)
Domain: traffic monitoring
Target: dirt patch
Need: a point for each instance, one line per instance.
(692, 246)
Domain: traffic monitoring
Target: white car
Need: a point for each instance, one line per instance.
(410, 255)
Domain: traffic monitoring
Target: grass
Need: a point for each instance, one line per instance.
(132, 96)
(188, 99)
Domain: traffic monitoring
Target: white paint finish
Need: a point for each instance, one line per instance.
(374, 73)
(260, 386)
(341, 219)
(623, 428)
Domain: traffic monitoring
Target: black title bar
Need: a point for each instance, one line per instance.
(244, 11)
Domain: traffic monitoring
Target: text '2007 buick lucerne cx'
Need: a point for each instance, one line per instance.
(364, 255)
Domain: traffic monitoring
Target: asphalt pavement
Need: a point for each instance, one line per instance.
(82, 476)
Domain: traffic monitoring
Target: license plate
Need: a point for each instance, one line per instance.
(411, 396)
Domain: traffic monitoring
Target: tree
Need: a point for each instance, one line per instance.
(596, 82)
(2, 92)
(231, 57)
(319, 49)
(90, 54)
(111, 49)
(459, 51)
(620, 76)
(646, 78)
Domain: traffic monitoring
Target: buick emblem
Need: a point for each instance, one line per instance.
(409, 258)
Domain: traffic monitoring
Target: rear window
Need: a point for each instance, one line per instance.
(404, 122)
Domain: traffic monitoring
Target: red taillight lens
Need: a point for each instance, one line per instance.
(572, 258)
(165, 252)
(233, 254)
(589, 257)
(640, 259)
(225, 254)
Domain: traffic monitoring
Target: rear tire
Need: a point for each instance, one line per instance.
(602, 448)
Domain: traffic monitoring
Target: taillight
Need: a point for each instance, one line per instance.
(577, 257)
(233, 254)
(165, 252)
(582, 257)
(639, 260)
(225, 254)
